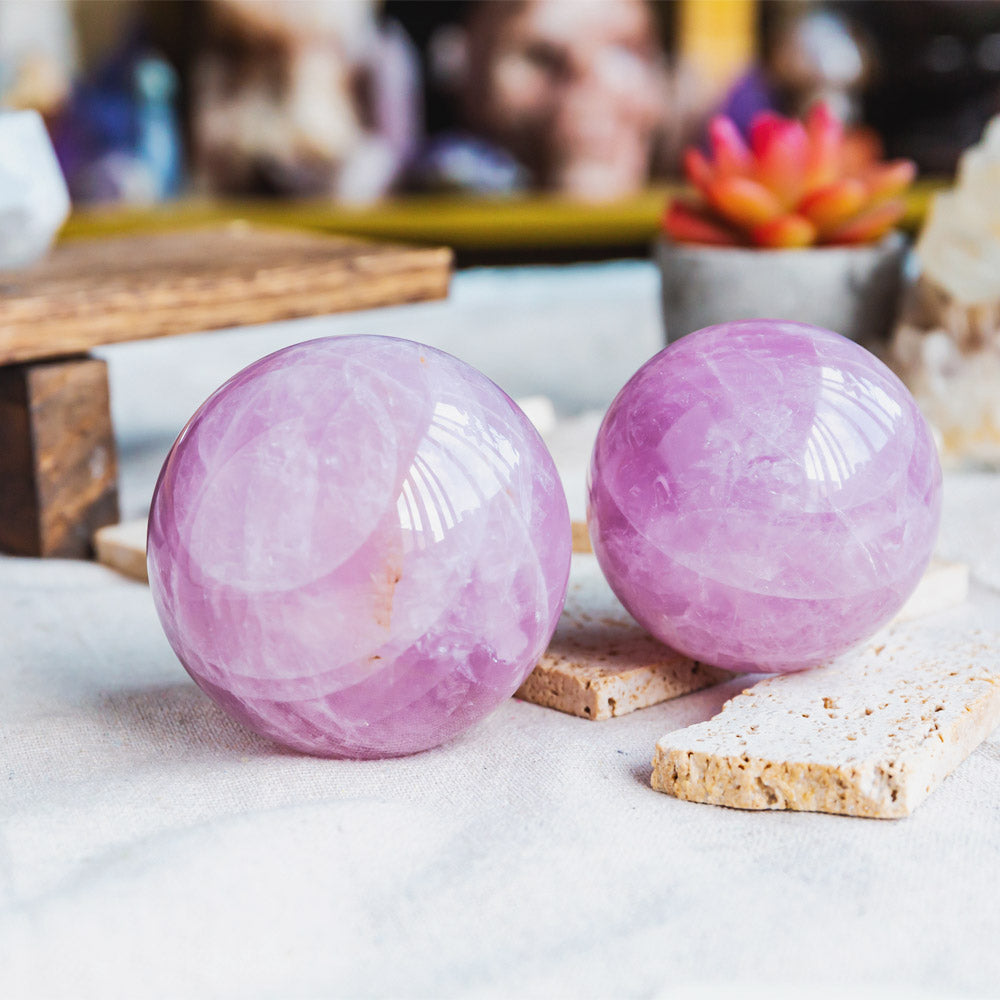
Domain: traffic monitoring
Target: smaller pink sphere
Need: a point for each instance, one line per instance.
(359, 546)
(764, 495)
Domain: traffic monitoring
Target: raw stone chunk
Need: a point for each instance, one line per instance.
(34, 201)
(872, 734)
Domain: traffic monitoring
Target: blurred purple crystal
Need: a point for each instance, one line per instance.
(764, 495)
(359, 546)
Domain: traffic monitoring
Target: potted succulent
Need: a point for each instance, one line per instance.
(785, 226)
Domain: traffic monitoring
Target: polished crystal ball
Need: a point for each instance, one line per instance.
(359, 546)
(764, 495)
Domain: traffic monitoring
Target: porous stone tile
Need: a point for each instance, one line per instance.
(601, 663)
(871, 734)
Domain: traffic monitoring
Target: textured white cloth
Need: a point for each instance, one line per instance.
(149, 847)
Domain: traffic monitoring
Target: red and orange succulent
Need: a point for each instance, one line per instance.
(791, 186)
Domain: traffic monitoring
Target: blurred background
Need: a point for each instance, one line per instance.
(510, 129)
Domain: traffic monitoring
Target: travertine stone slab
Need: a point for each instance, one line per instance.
(123, 547)
(581, 537)
(871, 734)
(944, 585)
(602, 664)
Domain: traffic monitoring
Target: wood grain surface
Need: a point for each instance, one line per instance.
(91, 292)
(58, 472)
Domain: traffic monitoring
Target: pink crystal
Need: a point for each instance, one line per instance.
(764, 495)
(359, 546)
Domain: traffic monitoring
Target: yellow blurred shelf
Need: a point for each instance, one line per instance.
(475, 224)
(535, 222)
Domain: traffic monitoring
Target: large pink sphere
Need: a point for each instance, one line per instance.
(764, 495)
(359, 546)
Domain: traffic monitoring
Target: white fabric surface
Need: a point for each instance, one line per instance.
(149, 847)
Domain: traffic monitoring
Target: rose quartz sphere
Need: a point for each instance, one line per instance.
(764, 495)
(359, 546)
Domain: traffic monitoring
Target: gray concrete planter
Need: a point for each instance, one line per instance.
(852, 290)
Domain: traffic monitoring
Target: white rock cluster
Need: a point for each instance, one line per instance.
(959, 247)
(946, 346)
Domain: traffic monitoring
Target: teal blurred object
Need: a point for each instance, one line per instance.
(159, 140)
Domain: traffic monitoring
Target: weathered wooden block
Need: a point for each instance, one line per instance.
(58, 471)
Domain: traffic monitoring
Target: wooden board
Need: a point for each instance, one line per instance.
(91, 292)
(602, 664)
(58, 474)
